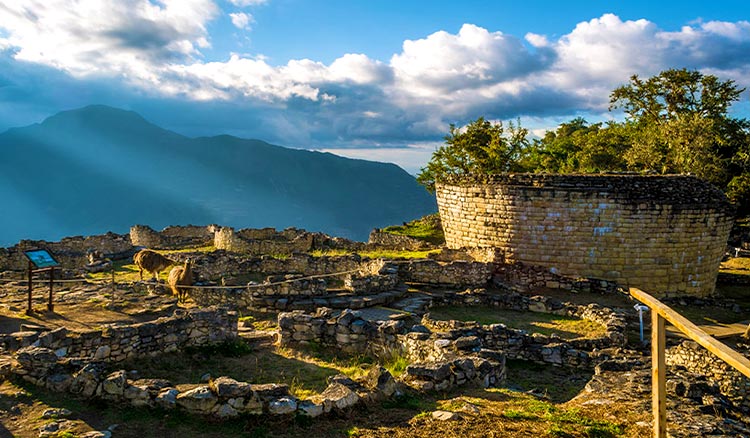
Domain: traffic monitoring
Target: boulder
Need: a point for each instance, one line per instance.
(167, 398)
(282, 406)
(226, 387)
(198, 400)
(114, 384)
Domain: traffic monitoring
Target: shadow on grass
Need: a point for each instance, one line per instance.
(266, 365)
(556, 383)
(154, 422)
(533, 322)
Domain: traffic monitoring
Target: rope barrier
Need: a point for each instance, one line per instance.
(262, 285)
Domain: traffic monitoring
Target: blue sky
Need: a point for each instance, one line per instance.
(379, 80)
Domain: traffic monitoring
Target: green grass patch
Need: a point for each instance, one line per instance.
(544, 323)
(378, 254)
(427, 229)
(736, 266)
(561, 422)
(391, 254)
(264, 321)
(559, 384)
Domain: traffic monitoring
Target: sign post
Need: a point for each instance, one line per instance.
(40, 260)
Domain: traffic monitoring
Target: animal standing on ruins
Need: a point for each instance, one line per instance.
(151, 261)
(179, 277)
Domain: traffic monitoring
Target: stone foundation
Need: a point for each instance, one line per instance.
(194, 327)
(733, 384)
(662, 234)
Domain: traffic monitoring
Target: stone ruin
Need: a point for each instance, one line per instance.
(663, 234)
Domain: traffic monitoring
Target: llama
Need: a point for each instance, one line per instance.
(151, 261)
(181, 276)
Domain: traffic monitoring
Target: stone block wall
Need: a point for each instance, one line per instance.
(347, 332)
(373, 277)
(222, 398)
(439, 341)
(394, 241)
(71, 252)
(733, 384)
(485, 372)
(524, 278)
(173, 237)
(662, 234)
(263, 241)
(456, 273)
(117, 343)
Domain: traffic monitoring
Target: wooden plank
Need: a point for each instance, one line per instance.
(721, 350)
(658, 375)
(718, 330)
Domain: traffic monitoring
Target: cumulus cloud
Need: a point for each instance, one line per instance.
(245, 3)
(155, 47)
(107, 36)
(241, 20)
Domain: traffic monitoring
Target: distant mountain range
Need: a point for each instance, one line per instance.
(99, 169)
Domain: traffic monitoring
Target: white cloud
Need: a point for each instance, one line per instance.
(104, 37)
(245, 3)
(439, 79)
(241, 20)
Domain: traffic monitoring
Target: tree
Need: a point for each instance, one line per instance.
(675, 93)
(681, 124)
(479, 147)
(577, 146)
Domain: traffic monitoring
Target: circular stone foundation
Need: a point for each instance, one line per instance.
(663, 234)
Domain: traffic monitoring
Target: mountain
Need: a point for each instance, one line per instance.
(99, 169)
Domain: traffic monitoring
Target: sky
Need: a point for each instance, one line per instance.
(376, 79)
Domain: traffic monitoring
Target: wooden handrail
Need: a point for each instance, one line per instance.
(659, 313)
(718, 348)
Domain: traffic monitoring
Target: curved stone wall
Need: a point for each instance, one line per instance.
(663, 234)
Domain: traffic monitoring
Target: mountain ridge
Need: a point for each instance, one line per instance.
(99, 168)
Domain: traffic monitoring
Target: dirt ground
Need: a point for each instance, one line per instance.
(535, 401)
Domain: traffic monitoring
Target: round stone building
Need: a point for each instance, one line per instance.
(663, 234)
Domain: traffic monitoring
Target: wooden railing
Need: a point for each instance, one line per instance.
(659, 313)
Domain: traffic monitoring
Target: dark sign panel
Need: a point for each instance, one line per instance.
(41, 258)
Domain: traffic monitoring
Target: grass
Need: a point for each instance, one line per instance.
(736, 266)
(556, 383)
(427, 229)
(259, 320)
(306, 373)
(561, 422)
(547, 324)
(379, 254)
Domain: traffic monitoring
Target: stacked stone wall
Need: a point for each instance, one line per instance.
(440, 341)
(173, 237)
(662, 234)
(457, 273)
(347, 332)
(118, 343)
(71, 252)
(733, 384)
(263, 241)
(373, 277)
(394, 241)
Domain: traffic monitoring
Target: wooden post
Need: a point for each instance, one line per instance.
(29, 311)
(658, 375)
(51, 306)
(112, 265)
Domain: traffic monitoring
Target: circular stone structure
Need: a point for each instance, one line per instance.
(663, 234)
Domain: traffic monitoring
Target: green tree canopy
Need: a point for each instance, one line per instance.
(479, 147)
(675, 122)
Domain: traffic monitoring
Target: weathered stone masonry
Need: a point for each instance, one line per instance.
(663, 234)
